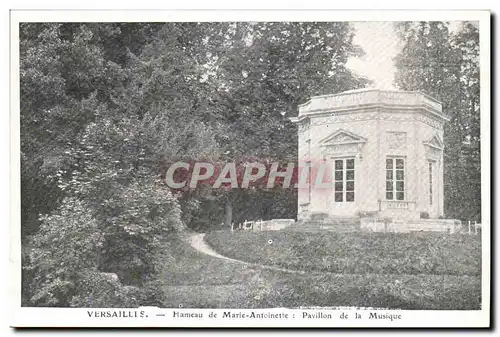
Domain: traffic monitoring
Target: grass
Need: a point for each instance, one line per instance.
(355, 253)
(196, 280)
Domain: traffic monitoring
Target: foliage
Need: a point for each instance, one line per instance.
(111, 211)
(355, 253)
(445, 65)
(106, 107)
(67, 243)
(64, 78)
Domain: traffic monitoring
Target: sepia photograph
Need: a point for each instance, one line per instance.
(306, 172)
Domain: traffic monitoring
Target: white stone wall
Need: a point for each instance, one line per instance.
(426, 132)
(370, 116)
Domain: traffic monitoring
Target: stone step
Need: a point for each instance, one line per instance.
(337, 224)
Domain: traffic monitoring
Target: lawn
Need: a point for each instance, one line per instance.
(355, 253)
(195, 280)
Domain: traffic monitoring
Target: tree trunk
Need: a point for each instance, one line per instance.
(228, 213)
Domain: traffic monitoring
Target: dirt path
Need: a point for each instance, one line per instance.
(198, 243)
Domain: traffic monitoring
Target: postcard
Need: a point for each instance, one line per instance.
(250, 169)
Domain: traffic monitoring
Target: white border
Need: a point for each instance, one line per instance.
(44, 317)
(243, 15)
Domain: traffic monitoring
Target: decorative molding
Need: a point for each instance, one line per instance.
(342, 142)
(396, 140)
(342, 136)
(335, 118)
(431, 121)
(362, 97)
(434, 148)
(343, 118)
(435, 142)
(397, 117)
(304, 125)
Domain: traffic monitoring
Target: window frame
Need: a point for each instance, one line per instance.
(431, 181)
(344, 193)
(394, 181)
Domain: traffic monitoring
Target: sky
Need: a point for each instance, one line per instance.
(381, 45)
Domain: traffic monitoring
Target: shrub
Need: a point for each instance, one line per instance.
(144, 215)
(424, 215)
(102, 290)
(68, 241)
(77, 241)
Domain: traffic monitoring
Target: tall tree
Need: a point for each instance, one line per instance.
(271, 68)
(445, 65)
(84, 141)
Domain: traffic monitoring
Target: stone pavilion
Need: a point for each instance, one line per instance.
(383, 151)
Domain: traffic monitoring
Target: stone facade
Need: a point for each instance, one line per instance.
(381, 151)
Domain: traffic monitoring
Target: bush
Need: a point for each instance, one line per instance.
(68, 242)
(424, 215)
(75, 246)
(102, 290)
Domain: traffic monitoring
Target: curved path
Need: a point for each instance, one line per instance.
(198, 243)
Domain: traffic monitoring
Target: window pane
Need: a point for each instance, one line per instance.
(389, 186)
(400, 195)
(339, 164)
(338, 196)
(339, 186)
(400, 175)
(349, 163)
(400, 186)
(389, 174)
(338, 175)
(349, 175)
(388, 163)
(349, 196)
(389, 195)
(349, 186)
(400, 164)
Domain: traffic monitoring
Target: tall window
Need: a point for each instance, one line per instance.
(430, 182)
(344, 180)
(395, 179)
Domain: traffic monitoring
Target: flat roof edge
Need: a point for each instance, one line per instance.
(351, 92)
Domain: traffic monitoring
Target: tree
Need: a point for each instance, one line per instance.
(105, 108)
(96, 156)
(445, 65)
(262, 77)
